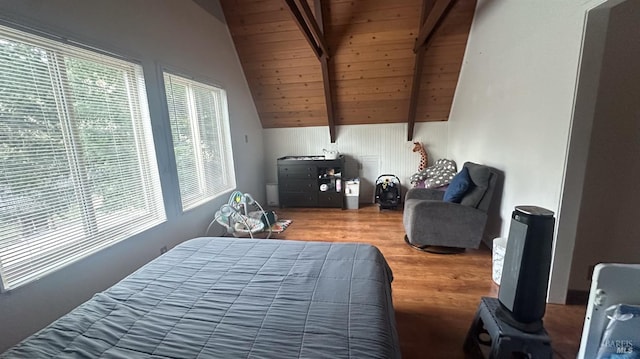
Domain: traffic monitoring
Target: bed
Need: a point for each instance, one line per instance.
(235, 298)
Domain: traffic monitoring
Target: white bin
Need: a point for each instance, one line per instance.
(272, 195)
(499, 250)
(352, 194)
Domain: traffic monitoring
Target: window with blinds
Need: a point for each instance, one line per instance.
(201, 139)
(77, 162)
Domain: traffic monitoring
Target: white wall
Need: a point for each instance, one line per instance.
(607, 226)
(370, 150)
(513, 104)
(157, 33)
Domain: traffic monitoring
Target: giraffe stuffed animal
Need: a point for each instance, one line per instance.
(418, 147)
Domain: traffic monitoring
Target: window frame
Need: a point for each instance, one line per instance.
(145, 148)
(224, 133)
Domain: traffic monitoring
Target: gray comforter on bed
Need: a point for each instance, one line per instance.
(235, 298)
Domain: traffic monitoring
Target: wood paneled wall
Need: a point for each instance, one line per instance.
(371, 47)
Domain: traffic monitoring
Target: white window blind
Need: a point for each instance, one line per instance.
(78, 169)
(201, 139)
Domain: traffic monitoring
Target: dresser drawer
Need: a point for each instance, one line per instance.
(330, 199)
(298, 185)
(290, 199)
(297, 171)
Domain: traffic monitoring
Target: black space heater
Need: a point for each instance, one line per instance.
(525, 274)
(513, 321)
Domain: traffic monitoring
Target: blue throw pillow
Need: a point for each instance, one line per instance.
(458, 187)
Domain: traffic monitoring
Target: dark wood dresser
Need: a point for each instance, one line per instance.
(310, 181)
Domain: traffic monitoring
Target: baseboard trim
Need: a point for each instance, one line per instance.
(577, 297)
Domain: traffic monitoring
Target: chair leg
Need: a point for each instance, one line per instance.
(443, 249)
(435, 249)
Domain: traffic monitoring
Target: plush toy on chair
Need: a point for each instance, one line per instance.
(424, 162)
(450, 221)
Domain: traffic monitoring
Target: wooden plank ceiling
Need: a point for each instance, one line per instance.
(371, 45)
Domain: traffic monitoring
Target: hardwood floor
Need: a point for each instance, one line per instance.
(435, 296)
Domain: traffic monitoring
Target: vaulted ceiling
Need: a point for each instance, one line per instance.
(370, 60)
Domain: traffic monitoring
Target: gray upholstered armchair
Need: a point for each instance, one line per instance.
(445, 227)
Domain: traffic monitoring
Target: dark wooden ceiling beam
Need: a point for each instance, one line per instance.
(427, 6)
(432, 14)
(313, 30)
(302, 25)
(326, 74)
(438, 12)
(313, 25)
(328, 95)
(415, 91)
